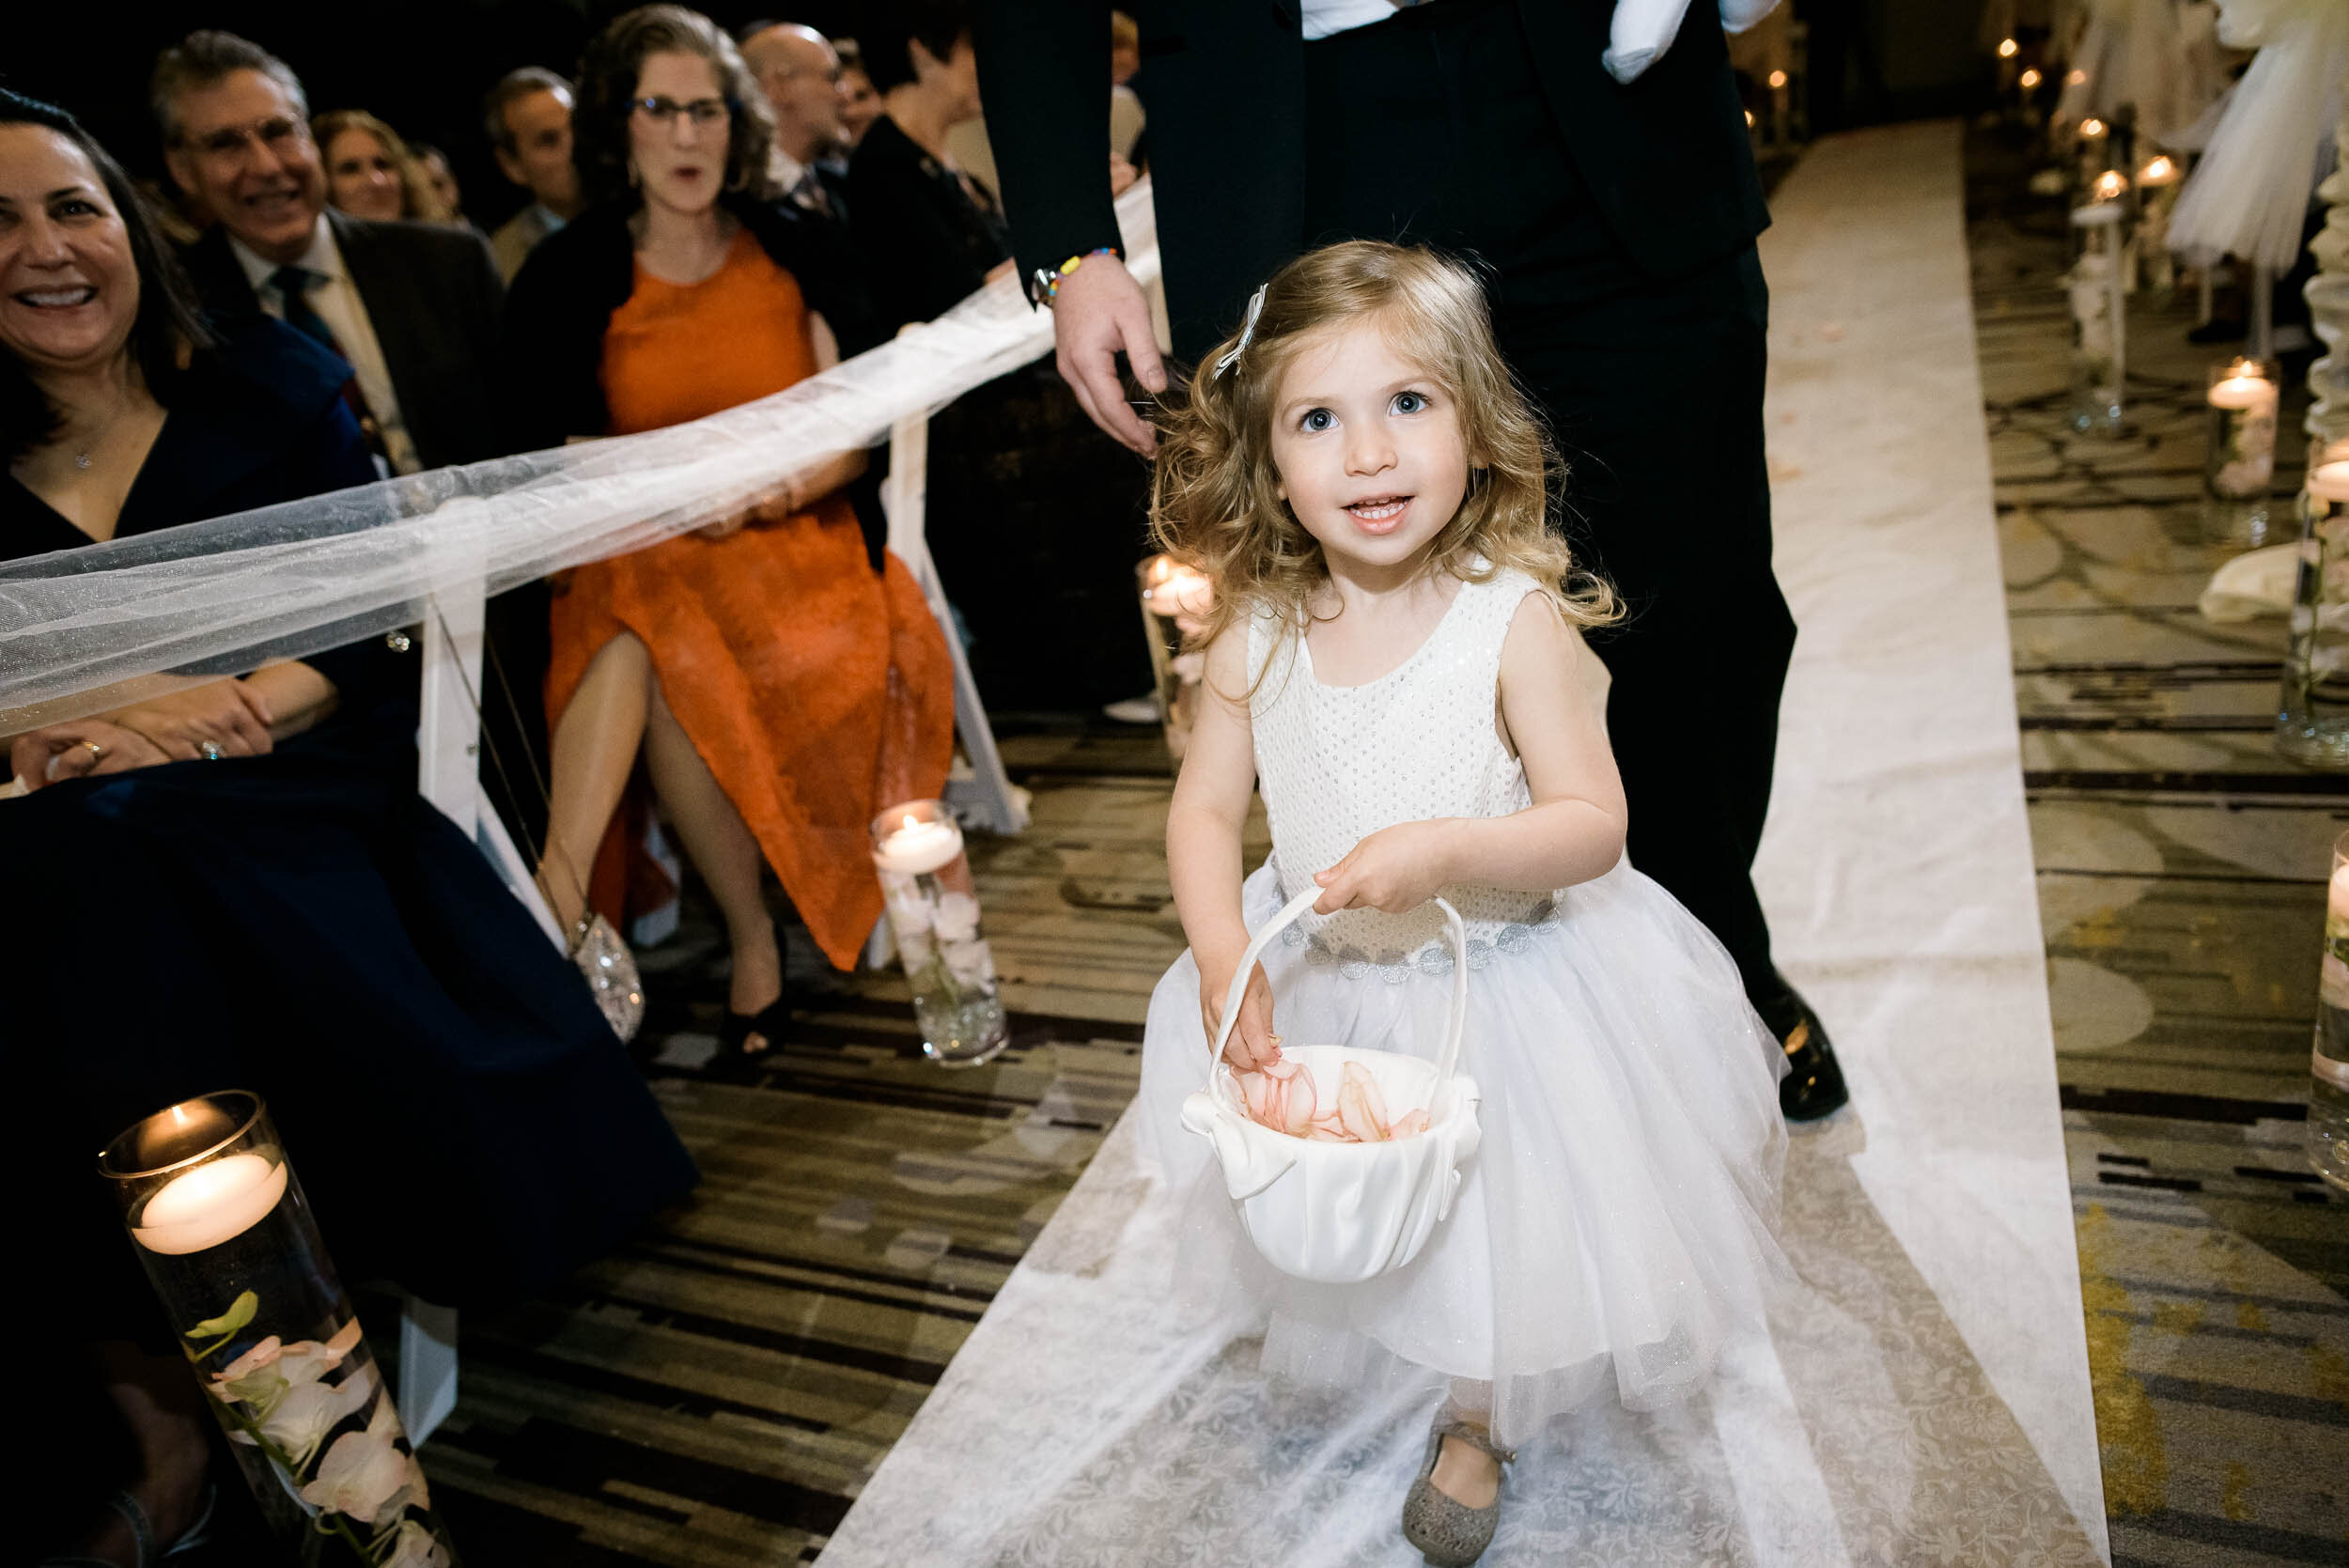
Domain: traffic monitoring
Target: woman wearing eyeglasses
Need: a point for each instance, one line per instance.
(769, 672)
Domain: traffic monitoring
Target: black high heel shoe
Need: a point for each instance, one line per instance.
(773, 1021)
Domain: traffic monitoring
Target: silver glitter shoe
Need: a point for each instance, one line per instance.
(1448, 1531)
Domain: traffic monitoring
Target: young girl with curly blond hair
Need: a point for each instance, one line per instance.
(1394, 659)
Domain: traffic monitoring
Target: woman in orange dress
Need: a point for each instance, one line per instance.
(770, 674)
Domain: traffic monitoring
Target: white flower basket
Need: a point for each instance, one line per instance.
(1341, 1213)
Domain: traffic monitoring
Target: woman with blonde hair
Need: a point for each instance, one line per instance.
(1395, 663)
(371, 172)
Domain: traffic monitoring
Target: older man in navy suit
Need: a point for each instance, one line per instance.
(414, 309)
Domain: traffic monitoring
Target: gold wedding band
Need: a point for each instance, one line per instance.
(97, 752)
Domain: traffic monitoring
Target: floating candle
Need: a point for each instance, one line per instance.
(2242, 387)
(918, 845)
(1175, 589)
(216, 1201)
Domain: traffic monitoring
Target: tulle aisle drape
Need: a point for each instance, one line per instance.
(86, 629)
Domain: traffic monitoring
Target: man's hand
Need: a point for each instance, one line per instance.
(1098, 311)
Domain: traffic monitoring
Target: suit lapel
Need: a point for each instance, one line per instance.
(393, 306)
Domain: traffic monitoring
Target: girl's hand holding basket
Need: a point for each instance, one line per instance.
(1253, 1045)
(1324, 1185)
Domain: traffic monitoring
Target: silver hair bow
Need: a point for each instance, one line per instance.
(1247, 331)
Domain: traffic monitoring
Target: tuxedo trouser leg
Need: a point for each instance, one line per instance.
(1432, 129)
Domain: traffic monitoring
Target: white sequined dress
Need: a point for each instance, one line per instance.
(1616, 1225)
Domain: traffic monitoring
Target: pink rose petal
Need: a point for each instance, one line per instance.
(1302, 1089)
(1253, 1087)
(1297, 1105)
(1411, 1124)
(1352, 1113)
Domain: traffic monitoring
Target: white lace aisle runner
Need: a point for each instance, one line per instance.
(1929, 1400)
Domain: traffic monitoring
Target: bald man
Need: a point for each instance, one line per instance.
(799, 72)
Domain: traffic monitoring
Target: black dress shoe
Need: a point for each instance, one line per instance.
(1813, 1084)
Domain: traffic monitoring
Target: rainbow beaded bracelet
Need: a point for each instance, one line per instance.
(1048, 278)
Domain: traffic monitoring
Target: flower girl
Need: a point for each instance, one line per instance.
(1393, 659)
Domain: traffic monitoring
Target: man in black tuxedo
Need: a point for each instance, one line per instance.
(413, 308)
(1616, 221)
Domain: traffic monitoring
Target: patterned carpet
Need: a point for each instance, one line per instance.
(716, 1394)
(2181, 878)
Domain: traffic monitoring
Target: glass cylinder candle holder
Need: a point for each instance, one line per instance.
(2239, 462)
(2157, 185)
(2091, 147)
(934, 919)
(2099, 326)
(2313, 714)
(228, 1240)
(1176, 601)
(2329, 1057)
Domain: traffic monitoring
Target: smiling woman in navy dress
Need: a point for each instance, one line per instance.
(235, 884)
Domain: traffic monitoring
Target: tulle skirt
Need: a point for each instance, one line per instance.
(1615, 1228)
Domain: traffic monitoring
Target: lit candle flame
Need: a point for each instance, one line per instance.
(2078, 79)
(1748, 118)
(2160, 168)
(2008, 49)
(2092, 127)
(2110, 185)
(2029, 79)
(1777, 79)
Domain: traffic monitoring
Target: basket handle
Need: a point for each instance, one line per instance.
(1445, 1062)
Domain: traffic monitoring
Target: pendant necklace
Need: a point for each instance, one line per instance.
(81, 456)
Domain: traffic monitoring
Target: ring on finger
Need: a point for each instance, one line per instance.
(97, 752)
(209, 751)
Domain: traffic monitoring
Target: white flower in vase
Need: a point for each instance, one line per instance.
(2245, 475)
(263, 1373)
(970, 962)
(908, 909)
(300, 1420)
(253, 1378)
(913, 947)
(958, 919)
(416, 1546)
(361, 1473)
